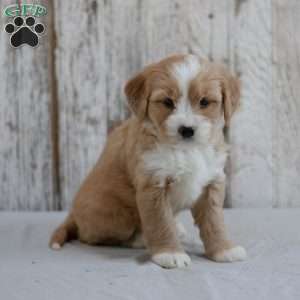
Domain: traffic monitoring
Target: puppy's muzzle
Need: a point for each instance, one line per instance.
(186, 132)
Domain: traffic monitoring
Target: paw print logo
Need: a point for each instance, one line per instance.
(24, 31)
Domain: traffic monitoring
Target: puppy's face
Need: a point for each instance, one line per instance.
(183, 98)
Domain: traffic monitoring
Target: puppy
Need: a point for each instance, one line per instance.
(168, 156)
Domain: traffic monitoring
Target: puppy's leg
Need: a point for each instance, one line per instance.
(159, 228)
(138, 241)
(208, 215)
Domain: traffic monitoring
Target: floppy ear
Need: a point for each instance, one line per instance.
(137, 93)
(231, 96)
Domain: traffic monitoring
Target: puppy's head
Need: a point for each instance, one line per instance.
(184, 98)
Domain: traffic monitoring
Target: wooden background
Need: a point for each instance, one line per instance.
(58, 101)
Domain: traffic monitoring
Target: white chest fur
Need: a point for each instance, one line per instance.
(190, 169)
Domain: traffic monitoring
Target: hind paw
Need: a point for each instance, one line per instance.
(55, 246)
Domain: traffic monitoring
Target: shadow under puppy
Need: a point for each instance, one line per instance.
(168, 156)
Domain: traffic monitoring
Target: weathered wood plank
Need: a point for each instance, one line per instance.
(25, 148)
(192, 26)
(251, 177)
(80, 71)
(122, 23)
(286, 102)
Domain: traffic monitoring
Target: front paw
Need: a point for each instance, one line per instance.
(171, 260)
(237, 253)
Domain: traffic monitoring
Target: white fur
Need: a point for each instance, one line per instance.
(172, 260)
(186, 70)
(56, 246)
(190, 168)
(237, 253)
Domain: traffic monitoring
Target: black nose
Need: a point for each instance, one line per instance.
(186, 132)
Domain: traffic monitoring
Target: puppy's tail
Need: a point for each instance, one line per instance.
(65, 232)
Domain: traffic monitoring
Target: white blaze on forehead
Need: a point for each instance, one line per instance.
(186, 71)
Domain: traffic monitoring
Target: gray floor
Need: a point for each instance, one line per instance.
(29, 270)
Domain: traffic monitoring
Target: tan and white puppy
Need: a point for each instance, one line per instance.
(168, 156)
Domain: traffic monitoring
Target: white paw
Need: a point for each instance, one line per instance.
(180, 230)
(230, 255)
(56, 246)
(172, 260)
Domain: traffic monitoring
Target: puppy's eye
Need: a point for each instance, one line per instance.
(204, 102)
(168, 102)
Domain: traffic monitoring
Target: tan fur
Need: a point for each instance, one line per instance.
(119, 200)
(208, 215)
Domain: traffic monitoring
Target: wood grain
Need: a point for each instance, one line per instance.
(25, 148)
(81, 82)
(251, 177)
(286, 103)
